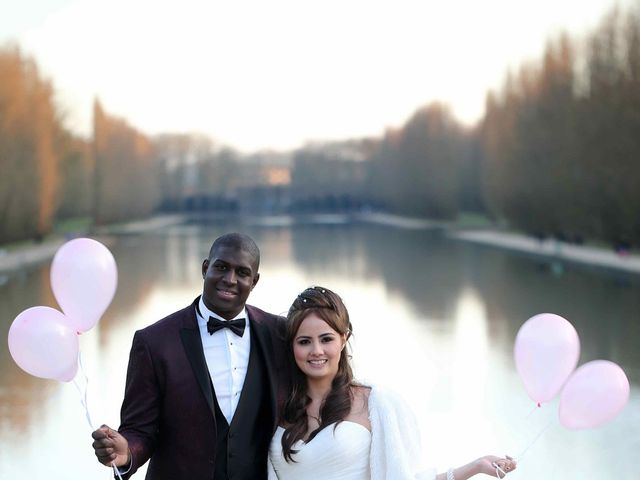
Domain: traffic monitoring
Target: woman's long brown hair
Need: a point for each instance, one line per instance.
(329, 307)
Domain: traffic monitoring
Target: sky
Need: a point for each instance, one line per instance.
(274, 74)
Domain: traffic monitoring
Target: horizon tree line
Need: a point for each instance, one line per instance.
(556, 154)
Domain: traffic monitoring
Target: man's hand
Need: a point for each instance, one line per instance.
(110, 447)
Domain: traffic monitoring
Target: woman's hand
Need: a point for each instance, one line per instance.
(489, 465)
(496, 466)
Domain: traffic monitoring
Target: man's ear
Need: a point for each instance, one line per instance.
(205, 267)
(255, 280)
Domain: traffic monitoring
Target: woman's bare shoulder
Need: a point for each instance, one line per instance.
(360, 406)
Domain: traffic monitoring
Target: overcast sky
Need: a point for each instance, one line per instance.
(276, 73)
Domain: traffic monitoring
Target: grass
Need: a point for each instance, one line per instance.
(63, 228)
(472, 220)
(73, 225)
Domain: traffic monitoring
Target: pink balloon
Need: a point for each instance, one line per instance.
(546, 351)
(43, 345)
(595, 393)
(83, 278)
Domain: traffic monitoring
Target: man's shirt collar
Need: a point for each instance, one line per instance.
(206, 313)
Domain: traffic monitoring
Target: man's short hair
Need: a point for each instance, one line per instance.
(238, 241)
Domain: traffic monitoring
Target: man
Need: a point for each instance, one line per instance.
(202, 384)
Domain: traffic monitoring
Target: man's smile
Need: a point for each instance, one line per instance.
(226, 293)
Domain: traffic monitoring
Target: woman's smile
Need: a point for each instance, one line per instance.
(318, 363)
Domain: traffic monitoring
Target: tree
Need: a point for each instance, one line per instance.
(126, 174)
(29, 126)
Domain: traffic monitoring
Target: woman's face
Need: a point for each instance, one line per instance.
(317, 348)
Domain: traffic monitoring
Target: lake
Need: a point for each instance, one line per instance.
(434, 319)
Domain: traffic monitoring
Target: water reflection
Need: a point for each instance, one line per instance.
(19, 393)
(433, 318)
(470, 347)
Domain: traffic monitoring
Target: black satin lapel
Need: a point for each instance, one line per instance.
(263, 337)
(193, 348)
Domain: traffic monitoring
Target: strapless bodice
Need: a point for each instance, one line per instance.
(340, 453)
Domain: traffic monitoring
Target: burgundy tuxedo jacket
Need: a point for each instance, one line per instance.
(168, 411)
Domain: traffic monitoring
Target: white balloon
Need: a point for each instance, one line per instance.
(83, 279)
(43, 345)
(546, 351)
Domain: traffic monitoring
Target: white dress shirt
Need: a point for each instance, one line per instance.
(227, 357)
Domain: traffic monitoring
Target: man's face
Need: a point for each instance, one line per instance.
(229, 276)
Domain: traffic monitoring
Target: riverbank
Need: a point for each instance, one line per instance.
(32, 254)
(551, 249)
(25, 255)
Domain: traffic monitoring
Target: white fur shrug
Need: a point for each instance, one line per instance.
(395, 439)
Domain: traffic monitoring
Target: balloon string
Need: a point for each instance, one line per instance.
(499, 471)
(544, 429)
(116, 471)
(537, 406)
(85, 405)
(83, 391)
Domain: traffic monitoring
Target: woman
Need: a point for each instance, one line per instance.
(334, 428)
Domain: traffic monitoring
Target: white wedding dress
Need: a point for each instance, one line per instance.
(337, 452)
(391, 451)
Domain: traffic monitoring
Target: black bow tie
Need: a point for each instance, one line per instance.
(236, 326)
